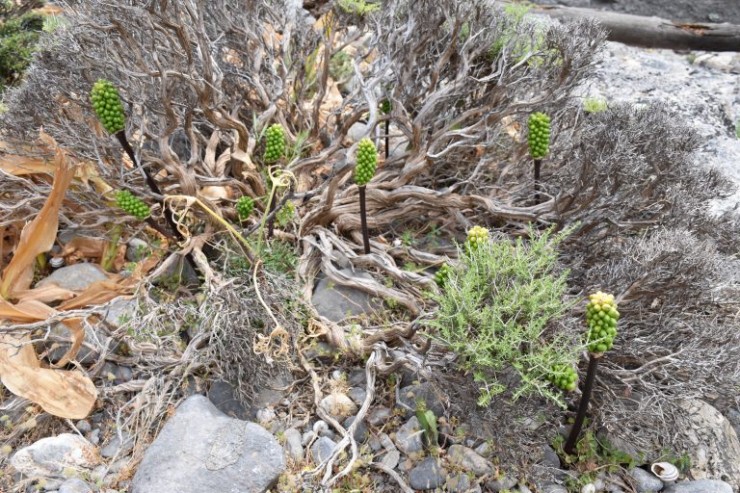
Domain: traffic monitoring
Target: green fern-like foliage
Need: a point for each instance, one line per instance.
(108, 106)
(274, 143)
(494, 312)
(539, 135)
(132, 205)
(367, 162)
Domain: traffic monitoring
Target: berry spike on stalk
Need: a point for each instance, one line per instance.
(244, 207)
(477, 236)
(539, 145)
(108, 107)
(132, 205)
(602, 316)
(367, 162)
(274, 143)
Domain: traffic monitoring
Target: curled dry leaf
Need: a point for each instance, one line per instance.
(68, 394)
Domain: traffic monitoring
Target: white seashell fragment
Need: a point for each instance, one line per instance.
(56, 262)
(665, 471)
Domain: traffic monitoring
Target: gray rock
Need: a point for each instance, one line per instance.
(116, 374)
(501, 484)
(468, 460)
(386, 442)
(338, 405)
(375, 444)
(137, 249)
(293, 445)
(118, 447)
(427, 475)
(75, 277)
(378, 416)
(391, 459)
(357, 378)
(645, 482)
(322, 449)
(94, 436)
(120, 310)
(425, 392)
(357, 395)
(321, 351)
(409, 437)
(484, 450)
(700, 486)
(552, 488)
(321, 429)
(459, 483)
(201, 450)
(357, 131)
(337, 302)
(49, 457)
(223, 396)
(75, 485)
(716, 450)
(83, 426)
(360, 434)
(549, 457)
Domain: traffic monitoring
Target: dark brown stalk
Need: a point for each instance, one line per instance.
(593, 364)
(387, 138)
(537, 168)
(363, 221)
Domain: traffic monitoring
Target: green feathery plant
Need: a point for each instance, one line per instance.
(495, 307)
(601, 316)
(539, 145)
(367, 162)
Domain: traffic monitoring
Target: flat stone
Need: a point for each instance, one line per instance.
(503, 483)
(699, 486)
(460, 483)
(645, 482)
(223, 396)
(552, 488)
(50, 456)
(360, 434)
(378, 416)
(201, 450)
(409, 437)
(468, 460)
(338, 405)
(427, 475)
(75, 485)
(322, 449)
(118, 447)
(549, 457)
(425, 392)
(357, 395)
(293, 445)
(337, 302)
(120, 310)
(391, 459)
(77, 277)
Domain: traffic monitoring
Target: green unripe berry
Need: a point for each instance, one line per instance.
(132, 204)
(443, 274)
(244, 207)
(564, 377)
(477, 236)
(367, 162)
(539, 135)
(601, 316)
(108, 106)
(274, 143)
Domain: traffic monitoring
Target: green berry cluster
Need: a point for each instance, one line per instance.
(564, 377)
(275, 143)
(132, 205)
(367, 162)
(477, 236)
(601, 316)
(443, 274)
(244, 207)
(539, 135)
(385, 106)
(107, 105)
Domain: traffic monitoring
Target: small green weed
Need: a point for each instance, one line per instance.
(595, 105)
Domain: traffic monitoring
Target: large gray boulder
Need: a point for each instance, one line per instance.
(201, 450)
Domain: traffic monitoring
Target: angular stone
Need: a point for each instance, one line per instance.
(337, 302)
(75, 277)
(700, 486)
(378, 416)
(360, 434)
(201, 450)
(75, 485)
(357, 395)
(408, 437)
(391, 459)
(645, 482)
(322, 449)
(116, 447)
(427, 475)
(425, 392)
(49, 457)
(468, 460)
(338, 405)
(293, 444)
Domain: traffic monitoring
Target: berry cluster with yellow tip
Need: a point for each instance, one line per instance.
(477, 236)
(602, 317)
(107, 105)
(539, 135)
(132, 204)
(244, 207)
(274, 143)
(367, 162)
